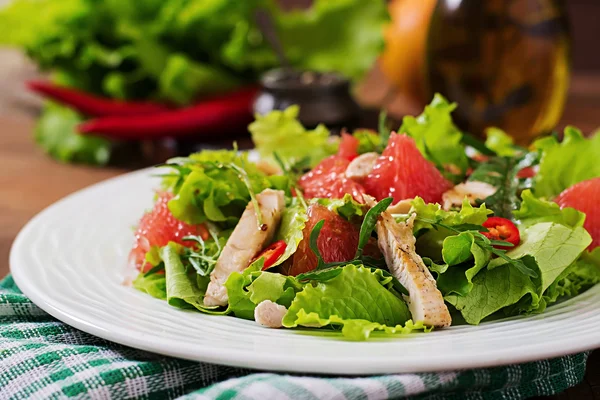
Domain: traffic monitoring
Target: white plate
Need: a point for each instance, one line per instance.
(71, 261)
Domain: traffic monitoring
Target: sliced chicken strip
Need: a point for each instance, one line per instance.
(361, 166)
(245, 242)
(397, 243)
(472, 190)
(269, 314)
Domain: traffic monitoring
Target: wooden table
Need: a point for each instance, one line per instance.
(31, 181)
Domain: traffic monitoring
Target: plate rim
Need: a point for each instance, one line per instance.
(347, 365)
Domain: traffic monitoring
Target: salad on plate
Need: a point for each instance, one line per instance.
(374, 233)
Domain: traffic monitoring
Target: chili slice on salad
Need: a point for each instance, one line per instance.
(272, 253)
(502, 229)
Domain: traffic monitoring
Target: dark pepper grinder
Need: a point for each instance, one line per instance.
(323, 97)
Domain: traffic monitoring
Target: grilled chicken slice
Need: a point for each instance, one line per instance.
(397, 243)
(245, 242)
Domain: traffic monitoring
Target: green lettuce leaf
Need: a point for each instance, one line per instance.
(354, 294)
(248, 288)
(463, 260)
(293, 220)
(429, 240)
(553, 246)
(582, 274)
(492, 291)
(154, 284)
(359, 329)
(368, 141)
(346, 207)
(56, 134)
(344, 36)
(429, 211)
(501, 143)
(438, 139)
(564, 164)
(207, 190)
(534, 210)
(184, 288)
(281, 132)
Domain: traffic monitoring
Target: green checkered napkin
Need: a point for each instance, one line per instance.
(43, 358)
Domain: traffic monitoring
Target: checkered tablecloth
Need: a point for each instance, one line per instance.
(41, 357)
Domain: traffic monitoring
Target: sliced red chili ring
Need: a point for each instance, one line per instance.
(272, 253)
(502, 229)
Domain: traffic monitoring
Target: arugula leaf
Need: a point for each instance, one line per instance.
(56, 133)
(355, 294)
(534, 210)
(501, 172)
(281, 132)
(313, 239)
(368, 224)
(204, 259)
(436, 136)
(564, 164)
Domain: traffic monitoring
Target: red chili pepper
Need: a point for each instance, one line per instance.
(502, 229)
(93, 105)
(272, 253)
(210, 116)
(527, 172)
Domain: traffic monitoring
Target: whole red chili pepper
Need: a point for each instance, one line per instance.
(93, 105)
(209, 116)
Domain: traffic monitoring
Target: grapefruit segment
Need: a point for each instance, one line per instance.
(402, 172)
(328, 180)
(338, 240)
(584, 196)
(158, 227)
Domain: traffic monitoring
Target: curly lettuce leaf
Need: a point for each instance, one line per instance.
(281, 132)
(564, 164)
(354, 294)
(501, 143)
(534, 210)
(56, 134)
(206, 189)
(436, 136)
(492, 291)
(429, 211)
(154, 284)
(359, 329)
(293, 220)
(344, 36)
(252, 286)
(582, 274)
(345, 207)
